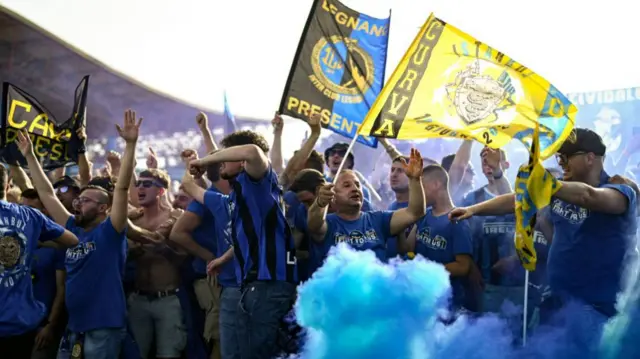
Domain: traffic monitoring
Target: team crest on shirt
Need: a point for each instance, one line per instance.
(80, 251)
(13, 257)
(356, 238)
(438, 242)
(570, 212)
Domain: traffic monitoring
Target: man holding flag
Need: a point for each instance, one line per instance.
(449, 84)
(594, 226)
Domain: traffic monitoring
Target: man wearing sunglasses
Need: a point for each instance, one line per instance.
(155, 313)
(94, 293)
(592, 224)
(67, 189)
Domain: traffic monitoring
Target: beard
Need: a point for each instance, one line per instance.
(83, 220)
(228, 176)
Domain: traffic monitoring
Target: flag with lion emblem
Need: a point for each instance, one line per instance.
(449, 84)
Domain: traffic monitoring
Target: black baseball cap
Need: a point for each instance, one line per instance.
(583, 140)
(307, 180)
(67, 181)
(338, 147)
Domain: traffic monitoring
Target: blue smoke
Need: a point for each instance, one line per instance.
(355, 307)
(621, 338)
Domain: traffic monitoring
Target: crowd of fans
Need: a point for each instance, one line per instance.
(115, 262)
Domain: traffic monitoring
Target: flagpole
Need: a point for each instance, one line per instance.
(526, 304)
(344, 159)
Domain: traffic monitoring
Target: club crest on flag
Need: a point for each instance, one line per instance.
(449, 84)
(481, 93)
(329, 68)
(338, 69)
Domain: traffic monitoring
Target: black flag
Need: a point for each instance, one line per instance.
(55, 142)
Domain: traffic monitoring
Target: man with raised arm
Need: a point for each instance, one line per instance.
(364, 230)
(593, 222)
(262, 241)
(95, 297)
(21, 228)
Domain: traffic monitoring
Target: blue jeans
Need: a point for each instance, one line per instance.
(229, 299)
(98, 344)
(261, 309)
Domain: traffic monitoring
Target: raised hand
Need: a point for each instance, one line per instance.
(152, 159)
(188, 155)
(131, 127)
(413, 169)
(492, 158)
(196, 168)
(24, 143)
(277, 123)
(325, 195)
(202, 121)
(315, 123)
(81, 132)
(460, 213)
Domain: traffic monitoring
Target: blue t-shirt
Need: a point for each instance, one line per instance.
(21, 227)
(262, 239)
(317, 251)
(371, 231)
(493, 241)
(95, 267)
(392, 243)
(46, 261)
(586, 258)
(211, 235)
(441, 240)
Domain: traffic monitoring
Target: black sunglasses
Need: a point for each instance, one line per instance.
(147, 183)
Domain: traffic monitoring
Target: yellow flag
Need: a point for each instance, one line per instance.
(449, 84)
(534, 188)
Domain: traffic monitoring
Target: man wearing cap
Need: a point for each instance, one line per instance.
(67, 189)
(333, 157)
(594, 226)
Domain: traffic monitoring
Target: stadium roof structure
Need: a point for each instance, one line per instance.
(49, 69)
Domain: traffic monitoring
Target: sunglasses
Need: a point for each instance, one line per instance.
(148, 183)
(563, 158)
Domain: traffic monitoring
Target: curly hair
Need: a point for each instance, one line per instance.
(245, 137)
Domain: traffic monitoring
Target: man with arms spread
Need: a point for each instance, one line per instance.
(593, 224)
(205, 236)
(21, 228)
(155, 313)
(262, 240)
(95, 297)
(364, 230)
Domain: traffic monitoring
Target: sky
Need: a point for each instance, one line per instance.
(194, 50)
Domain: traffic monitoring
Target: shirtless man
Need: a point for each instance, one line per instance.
(155, 314)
